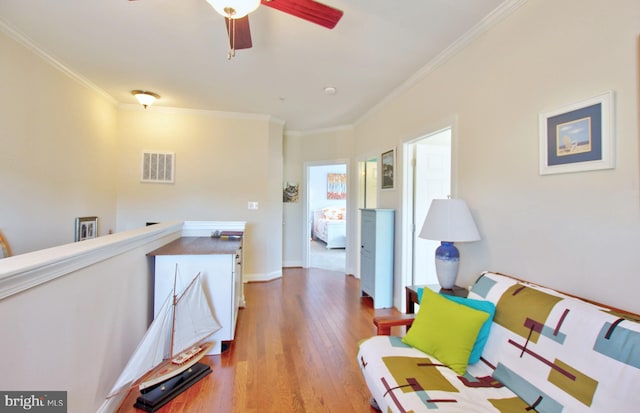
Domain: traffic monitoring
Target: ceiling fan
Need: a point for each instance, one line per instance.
(236, 15)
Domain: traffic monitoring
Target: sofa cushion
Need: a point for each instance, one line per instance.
(482, 305)
(404, 379)
(446, 330)
(559, 353)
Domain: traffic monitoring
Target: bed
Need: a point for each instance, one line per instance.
(329, 226)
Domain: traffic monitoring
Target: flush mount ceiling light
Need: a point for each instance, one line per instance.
(145, 98)
(330, 90)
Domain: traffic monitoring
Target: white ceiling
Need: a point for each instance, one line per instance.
(178, 49)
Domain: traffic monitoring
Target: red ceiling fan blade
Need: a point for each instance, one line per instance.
(309, 10)
(239, 33)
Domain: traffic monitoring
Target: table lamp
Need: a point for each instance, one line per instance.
(448, 221)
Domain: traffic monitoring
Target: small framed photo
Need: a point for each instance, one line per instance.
(291, 192)
(578, 137)
(388, 162)
(86, 228)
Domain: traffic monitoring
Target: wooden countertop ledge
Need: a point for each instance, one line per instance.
(198, 246)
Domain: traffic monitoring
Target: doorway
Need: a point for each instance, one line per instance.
(431, 156)
(368, 183)
(327, 216)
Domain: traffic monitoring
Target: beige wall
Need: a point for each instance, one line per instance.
(577, 232)
(57, 152)
(68, 151)
(222, 162)
(314, 148)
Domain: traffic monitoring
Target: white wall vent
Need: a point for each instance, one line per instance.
(158, 167)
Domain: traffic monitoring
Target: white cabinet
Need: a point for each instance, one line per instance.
(219, 263)
(376, 255)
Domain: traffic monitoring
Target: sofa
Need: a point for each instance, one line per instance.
(539, 350)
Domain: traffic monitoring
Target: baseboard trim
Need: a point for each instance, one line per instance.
(292, 264)
(263, 277)
(111, 405)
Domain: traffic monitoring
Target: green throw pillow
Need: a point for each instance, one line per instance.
(446, 330)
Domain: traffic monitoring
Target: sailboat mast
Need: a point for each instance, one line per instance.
(173, 315)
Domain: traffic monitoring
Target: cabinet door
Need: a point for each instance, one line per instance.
(376, 256)
(367, 252)
(237, 291)
(367, 271)
(217, 279)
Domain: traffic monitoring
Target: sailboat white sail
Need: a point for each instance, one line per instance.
(170, 344)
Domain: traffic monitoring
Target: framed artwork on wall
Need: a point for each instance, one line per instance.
(86, 228)
(578, 137)
(388, 163)
(336, 186)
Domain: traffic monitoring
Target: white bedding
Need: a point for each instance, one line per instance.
(329, 225)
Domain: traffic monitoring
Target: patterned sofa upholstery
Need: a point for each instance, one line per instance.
(546, 352)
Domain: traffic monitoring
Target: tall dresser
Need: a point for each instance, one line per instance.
(376, 256)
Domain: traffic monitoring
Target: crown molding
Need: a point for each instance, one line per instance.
(208, 112)
(302, 133)
(10, 31)
(492, 19)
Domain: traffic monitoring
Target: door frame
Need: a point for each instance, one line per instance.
(406, 251)
(306, 219)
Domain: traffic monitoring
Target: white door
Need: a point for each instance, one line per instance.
(432, 180)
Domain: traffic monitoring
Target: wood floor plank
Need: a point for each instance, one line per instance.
(295, 350)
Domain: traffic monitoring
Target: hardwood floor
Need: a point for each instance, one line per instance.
(295, 350)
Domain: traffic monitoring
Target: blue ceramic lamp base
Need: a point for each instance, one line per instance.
(447, 261)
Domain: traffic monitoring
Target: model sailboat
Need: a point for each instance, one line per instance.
(173, 341)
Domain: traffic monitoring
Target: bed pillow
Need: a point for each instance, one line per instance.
(446, 330)
(483, 335)
(333, 213)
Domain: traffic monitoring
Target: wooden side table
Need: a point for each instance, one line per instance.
(411, 294)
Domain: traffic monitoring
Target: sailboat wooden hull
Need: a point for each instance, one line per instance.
(167, 369)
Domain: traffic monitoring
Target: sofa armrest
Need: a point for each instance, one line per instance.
(384, 323)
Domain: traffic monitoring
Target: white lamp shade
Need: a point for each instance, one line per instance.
(449, 220)
(234, 9)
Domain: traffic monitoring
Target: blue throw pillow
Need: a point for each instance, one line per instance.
(483, 334)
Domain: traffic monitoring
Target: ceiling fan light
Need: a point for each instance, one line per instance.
(145, 98)
(234, 9)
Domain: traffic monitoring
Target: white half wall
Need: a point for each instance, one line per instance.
(83, 307)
